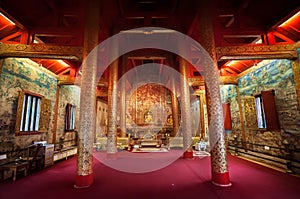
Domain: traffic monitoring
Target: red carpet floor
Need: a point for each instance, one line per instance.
(181, 180)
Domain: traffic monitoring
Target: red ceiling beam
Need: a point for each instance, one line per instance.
(8, 30)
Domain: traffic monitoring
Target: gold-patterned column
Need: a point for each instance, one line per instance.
(174, 102)
(296, 70)
(123, 100)
(112, 108)
(220, 174)
(85, 175)
(202, 122)
(185, 110)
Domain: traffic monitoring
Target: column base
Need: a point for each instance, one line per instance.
(221, 179)
(84, 181)
(188, 155)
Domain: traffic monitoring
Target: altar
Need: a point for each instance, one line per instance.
(146, 136)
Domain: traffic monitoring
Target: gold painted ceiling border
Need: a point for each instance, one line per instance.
(224, 80)
(254, 52)
(247, 52)
(41, 51)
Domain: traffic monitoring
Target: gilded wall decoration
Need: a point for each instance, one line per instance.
(45, 115)
(250, 112)
(150, 98)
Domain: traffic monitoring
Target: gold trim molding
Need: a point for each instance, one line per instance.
(252, 52)
(68, 80)
(41, 51)
(199, 81)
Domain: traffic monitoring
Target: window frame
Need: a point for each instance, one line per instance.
(260, 113)
(70, 117)
(272, 122)
(24, 108)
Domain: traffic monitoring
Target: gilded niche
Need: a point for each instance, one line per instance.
(150, 104)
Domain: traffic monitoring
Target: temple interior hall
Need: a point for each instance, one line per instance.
(150, 98)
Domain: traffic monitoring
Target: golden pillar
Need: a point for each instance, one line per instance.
(112, 108)
(174, 102)
(85, 176)
(123, 100)
(220, 174)
(185, 108)
(202, 122)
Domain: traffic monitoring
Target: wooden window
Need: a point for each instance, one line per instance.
(261, 119)
(269, 106)
(266, 111)
(33, 114)
(30, 113)
(70, 117)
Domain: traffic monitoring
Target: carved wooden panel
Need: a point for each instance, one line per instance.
(250, 112)
(44, 115)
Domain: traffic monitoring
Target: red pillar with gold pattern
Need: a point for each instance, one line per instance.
(220, 173)
(85, 175)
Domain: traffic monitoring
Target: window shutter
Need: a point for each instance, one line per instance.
(227, 116)
(67, 117)
(19, 111)
(269, 105)
(45, 115)
(250, 112)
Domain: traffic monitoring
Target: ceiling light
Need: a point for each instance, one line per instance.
(7, 19)
(63, 63)
(259, 41)
(230, 63)
(290, 19)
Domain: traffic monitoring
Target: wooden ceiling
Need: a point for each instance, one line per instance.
(236, 22)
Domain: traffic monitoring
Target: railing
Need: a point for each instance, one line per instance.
(239, 146)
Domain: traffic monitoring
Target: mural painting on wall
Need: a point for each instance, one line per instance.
(148, 105)
(277, 75)
(267, 77)
(23, 74)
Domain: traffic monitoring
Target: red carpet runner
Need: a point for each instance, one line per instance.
(181, 180)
